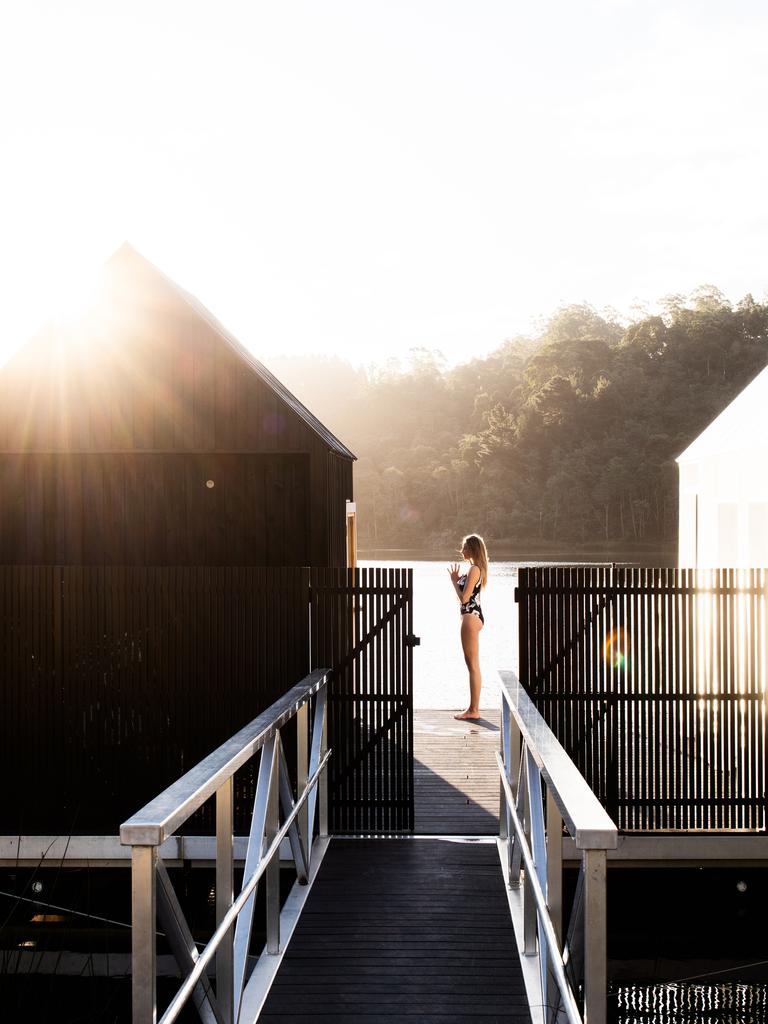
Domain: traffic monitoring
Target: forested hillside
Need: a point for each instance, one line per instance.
(562, 440)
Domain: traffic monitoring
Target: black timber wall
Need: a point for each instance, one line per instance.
(117, 680)
(144, 508)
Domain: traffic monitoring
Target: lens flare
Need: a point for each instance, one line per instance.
(616, 648)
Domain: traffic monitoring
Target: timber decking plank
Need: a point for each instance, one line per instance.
(403, 928)
(456, 781)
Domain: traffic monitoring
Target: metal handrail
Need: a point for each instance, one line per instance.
(558, 966)
(151, 888)
(250, 884)
(585, 817)
(530, 746)
(160, 818)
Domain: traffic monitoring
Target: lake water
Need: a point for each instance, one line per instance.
(440, 675)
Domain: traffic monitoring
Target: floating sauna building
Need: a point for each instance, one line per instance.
(724, 486)
(146, 434)
(160, 493)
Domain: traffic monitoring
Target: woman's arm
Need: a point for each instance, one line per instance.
(472, 577)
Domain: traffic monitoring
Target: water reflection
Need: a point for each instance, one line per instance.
(724, 1003)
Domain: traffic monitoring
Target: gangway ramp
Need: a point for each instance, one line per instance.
(414, 929)
(381, 927)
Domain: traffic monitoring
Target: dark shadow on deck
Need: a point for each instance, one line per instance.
(456, 781)
(402, 928)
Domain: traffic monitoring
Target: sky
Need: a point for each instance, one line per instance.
(360, 177)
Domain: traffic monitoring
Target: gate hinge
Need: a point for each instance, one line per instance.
(412, 641)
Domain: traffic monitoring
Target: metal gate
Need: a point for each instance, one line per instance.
(362, 628)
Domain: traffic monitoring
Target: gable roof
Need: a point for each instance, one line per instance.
(741, 426)
(126, 254)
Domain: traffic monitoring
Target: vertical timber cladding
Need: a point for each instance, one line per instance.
(156, 508)
(654, 681)
(118, 679)
(361, 624)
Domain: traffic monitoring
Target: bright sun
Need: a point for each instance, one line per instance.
(60, 295)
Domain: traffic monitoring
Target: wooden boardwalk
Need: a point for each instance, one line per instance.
(415, 929)
(456, 781)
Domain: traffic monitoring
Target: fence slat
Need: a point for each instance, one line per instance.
(119, 678)
(367, 612)
(654, 682)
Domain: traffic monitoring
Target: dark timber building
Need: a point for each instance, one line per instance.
(145, 434)
(160, 494)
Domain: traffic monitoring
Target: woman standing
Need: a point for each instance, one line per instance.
(467, 587)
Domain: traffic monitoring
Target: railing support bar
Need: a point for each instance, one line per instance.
(515, 748)
(179, 938)
(143, 946)
(323, 782)
(317, 749)
(529, 900)
(539, 847)
(595, 952)
(555, 865)
(287, 803)
(267, 769)
(225, 894)
(514, 849)
(273, 868)
(302, 774)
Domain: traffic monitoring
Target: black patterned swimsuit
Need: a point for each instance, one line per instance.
(472, 606)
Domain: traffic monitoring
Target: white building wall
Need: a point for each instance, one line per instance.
(724, 486)
(724, 510)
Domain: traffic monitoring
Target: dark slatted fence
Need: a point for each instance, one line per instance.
(361, 624)
(117, 680)
(654, 680)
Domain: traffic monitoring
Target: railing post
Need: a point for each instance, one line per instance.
(510, 753)
(143, 928)
(302, 774)
(273, 868)
(595, 951)
(323, 780)
(504, 743)
(555, 865)
(225, 893)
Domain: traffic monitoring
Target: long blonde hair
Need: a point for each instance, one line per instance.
(475, 546)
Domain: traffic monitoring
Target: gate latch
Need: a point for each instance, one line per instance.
(412, 641)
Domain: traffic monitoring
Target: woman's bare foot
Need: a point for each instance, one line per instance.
(468, 714)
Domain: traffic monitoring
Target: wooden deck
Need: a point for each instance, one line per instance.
(394, 929)
(456, 781)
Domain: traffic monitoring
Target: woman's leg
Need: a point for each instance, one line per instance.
(470, 642)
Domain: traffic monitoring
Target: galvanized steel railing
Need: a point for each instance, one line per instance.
(236, 997)
(536, 773)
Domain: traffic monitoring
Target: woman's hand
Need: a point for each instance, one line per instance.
(453, 571)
